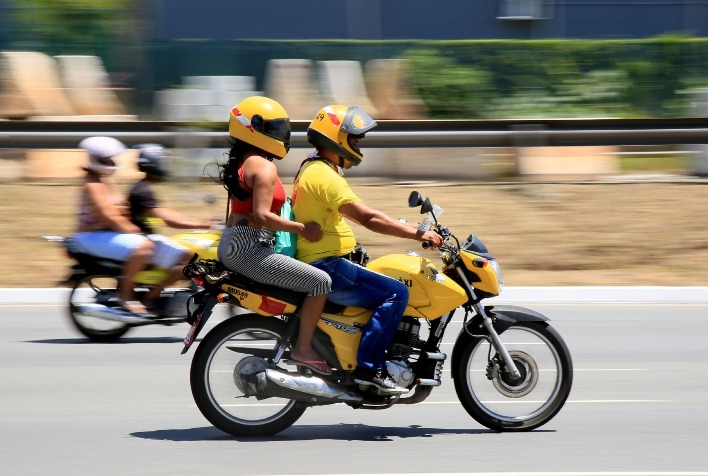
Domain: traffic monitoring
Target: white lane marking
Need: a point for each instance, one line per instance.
(539, 473)
(581, 370)
(612, 370)
(455, 402)
(568, 401)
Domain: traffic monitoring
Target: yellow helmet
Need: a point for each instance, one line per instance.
(263, 123)
(331, 127)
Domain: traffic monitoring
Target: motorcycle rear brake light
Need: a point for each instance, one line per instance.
(198, 280)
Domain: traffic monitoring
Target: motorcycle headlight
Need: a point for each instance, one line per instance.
(498, 271)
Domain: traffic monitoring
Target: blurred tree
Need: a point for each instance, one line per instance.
(450, 90)
(70, 22)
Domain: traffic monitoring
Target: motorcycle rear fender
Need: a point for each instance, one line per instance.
(504, 317)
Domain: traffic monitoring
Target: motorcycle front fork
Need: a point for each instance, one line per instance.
(497, 342)
(509, 364)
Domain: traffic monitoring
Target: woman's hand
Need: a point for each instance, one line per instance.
(312, 231)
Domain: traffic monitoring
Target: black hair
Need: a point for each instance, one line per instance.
(228, 172)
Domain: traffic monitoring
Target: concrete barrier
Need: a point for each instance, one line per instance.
(342, 82)
(88, 86)
(569, 162)
(30, 85)
(293, 83)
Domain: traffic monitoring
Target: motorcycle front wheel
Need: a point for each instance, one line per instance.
(92, 290)
(216, 377)
(501, 403)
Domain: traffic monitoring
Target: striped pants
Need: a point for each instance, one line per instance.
(249, 251)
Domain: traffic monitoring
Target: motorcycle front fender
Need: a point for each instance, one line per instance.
(503, 316)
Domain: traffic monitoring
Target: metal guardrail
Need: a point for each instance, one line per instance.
(389, 134)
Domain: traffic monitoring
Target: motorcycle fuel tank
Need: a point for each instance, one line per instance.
(431, 293)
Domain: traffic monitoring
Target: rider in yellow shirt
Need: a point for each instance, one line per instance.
(319, 194)
(322, 195)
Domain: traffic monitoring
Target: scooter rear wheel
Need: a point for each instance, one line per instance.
(95, 290)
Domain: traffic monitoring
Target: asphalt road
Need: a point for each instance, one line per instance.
(639, 405)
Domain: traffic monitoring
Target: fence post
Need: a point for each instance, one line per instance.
(699, 167)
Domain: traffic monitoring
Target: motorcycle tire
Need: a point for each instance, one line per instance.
(95, 290)
(216, 378)
(497, 401)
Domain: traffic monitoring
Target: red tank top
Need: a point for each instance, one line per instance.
(246, 206)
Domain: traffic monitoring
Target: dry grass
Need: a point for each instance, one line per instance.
(543, 234)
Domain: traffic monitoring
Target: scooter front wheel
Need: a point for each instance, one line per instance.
(231, 351)
(90, 291)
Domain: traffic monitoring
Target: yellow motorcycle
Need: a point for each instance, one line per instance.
(94, 308)
(512, 371)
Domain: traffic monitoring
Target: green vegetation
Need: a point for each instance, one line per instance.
(70, 22)
(466, 79)
(560, 78)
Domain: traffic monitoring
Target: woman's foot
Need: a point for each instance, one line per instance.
(134, 307)
(311, 361)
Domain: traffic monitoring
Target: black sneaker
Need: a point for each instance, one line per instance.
(379, 379)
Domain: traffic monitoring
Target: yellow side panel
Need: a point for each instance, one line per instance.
(345, 331)
(431, 293)
(259, 303)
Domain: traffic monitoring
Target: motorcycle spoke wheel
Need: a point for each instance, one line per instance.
(502, 403)
(218, 384)
(95, 290)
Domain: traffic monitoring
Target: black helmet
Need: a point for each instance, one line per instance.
(153, 160)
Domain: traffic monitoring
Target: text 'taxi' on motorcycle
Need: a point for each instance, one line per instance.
(94, 308)
(512, 371)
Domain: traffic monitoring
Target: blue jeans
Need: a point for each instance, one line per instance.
(354, 285)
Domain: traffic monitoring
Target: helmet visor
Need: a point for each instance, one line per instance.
(105, 161)
(278, 129)
(357, 122)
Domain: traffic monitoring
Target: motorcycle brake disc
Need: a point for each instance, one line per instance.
(517, 388)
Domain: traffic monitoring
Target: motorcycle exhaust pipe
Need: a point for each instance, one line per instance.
(273, 383)
(111, 313)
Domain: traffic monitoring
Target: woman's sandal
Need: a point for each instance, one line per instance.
(135, 307)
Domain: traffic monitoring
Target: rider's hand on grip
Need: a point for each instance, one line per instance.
(431, 240)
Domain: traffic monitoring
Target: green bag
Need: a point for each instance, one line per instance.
(286, 241)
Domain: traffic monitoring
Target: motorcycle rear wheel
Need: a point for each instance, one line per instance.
(217, 390)
(496, 401)
(95, 290)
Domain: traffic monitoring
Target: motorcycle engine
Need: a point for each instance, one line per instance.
(400, 372)
(406, 338)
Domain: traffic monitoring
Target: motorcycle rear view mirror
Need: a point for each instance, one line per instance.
(415, 199)
(427, 206)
